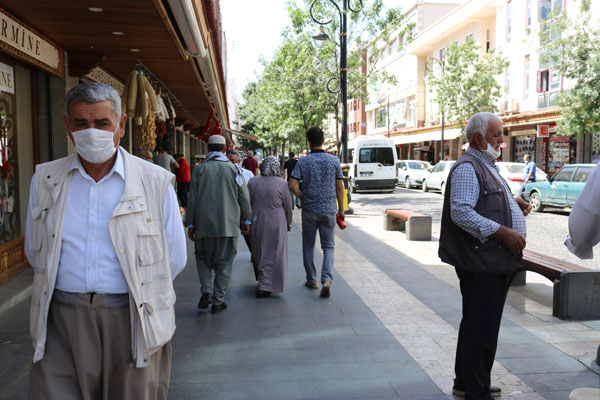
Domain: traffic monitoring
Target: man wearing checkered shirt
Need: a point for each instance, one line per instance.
(482, 236)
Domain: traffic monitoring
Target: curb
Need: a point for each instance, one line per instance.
(15, 290)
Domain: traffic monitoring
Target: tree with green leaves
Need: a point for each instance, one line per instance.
(292, 93)
(572, 47)
(366, 28)
(466, 84)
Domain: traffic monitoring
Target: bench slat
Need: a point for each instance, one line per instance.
(550, 262)
(404, 214)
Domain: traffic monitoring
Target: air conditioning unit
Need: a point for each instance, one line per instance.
(514, 106)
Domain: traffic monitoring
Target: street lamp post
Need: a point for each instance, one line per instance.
(429, 67)
(343, 86)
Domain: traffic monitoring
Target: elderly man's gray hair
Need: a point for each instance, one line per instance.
(479, 123)
(93, 92)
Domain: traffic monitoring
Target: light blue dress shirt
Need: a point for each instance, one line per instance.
(465, 194)
(88, 262)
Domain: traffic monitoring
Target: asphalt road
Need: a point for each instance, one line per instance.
(546, 231)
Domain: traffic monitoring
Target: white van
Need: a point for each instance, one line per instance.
(373, 164)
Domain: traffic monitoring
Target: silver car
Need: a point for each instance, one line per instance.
(411, 173)
(512, 172)
(437, 177)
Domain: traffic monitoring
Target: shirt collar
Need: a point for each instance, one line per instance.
(118, 167)
(317, 151)
(486, 158)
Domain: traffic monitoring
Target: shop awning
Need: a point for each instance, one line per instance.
(244, 135)
(117, 35)
(449, 134)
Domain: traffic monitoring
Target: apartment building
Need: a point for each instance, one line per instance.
(393, 109)
(409, 114)
(532, 87)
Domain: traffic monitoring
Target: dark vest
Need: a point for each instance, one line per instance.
(459, 248)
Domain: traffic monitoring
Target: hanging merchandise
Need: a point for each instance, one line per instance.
(161, 129)
(217, 129)
(162, 113)
(138, 98)
(165, 136)
(146, 133)
(204, 131)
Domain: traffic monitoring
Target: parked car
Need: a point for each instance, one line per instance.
(512, 172)
(560, 190)
(437, 177)
(411, 173)
(426, 164)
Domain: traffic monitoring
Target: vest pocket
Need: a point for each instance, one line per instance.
(159, 319)
(493, 198)
(149, 244)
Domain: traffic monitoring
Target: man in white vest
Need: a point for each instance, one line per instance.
(105, 239)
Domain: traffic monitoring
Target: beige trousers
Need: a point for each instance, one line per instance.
(88, 353)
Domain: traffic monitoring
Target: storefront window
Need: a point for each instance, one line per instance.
(10, 226)
(559, 152)
(524, 145)
(381, 117)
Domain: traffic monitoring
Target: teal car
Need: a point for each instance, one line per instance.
(561, 189)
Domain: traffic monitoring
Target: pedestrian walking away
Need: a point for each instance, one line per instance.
(289, 166)
(236, 159)
(584, 220)
(250, 163)
(482, 235)
(145, 154)
(165, 160)
(272, 209)
(182, 176)
(105, 240)
(218, 207)
(322, 185)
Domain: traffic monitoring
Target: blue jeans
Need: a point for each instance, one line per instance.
(324, 223)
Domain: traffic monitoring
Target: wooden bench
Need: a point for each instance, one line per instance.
(576, 289)
(417, 226)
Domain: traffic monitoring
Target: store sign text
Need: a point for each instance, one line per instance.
(7, 78)
(543, 130)
(20, 38)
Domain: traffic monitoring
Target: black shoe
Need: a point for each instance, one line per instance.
(326, 289)
(204, 301)
(494, 391)
(262, 293)
(217, 308)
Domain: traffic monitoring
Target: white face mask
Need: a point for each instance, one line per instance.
(95, 145)
(491, 151)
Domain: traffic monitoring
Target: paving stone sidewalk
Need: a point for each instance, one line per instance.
(291, 346)
(388, 331)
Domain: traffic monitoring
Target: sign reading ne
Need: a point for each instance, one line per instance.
(7, 78)
(543, 130)
(17, 36)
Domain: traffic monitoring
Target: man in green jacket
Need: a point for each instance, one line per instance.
(218, 206)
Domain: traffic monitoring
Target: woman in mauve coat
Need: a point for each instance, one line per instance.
(272, 208)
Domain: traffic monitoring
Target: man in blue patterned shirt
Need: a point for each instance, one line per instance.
(482, 236)
(321, 176)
